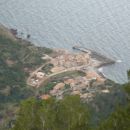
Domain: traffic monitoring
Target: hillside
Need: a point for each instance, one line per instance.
(68, 114)
(17, 59)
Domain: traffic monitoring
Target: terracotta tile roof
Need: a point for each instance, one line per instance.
(69, 81)
(93, 74)
(59, 86)
(45, 97)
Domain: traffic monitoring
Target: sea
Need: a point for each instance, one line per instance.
(100, 25)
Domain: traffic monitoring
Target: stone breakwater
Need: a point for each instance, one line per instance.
(96, 55)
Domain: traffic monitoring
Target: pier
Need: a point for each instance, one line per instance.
(96, 55)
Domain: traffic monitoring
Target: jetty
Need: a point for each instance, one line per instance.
(96, 55)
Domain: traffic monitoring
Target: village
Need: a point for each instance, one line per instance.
(84, 85)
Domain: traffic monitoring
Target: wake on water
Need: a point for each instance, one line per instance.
(119, 61)
(100, 69)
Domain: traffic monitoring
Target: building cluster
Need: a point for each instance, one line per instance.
(83, 85)
(80, 85)
(37, 78)
(67, 60)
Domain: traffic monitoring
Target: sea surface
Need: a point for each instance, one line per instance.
(101, 25)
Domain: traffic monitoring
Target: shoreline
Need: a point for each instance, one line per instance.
(104, 61)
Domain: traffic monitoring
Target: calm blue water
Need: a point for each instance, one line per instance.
(102, 25)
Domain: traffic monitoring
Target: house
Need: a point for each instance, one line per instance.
(95, 75)
(40, 75)
(59, 86)
(45, 97)
(69, 81)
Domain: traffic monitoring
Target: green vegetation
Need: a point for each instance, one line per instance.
(120, 119)
(66, 114)
(17, 58)
(57, 79)
(128, 74)
(70, 74)
(69, 114)
(45, 89)
(104, 104)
